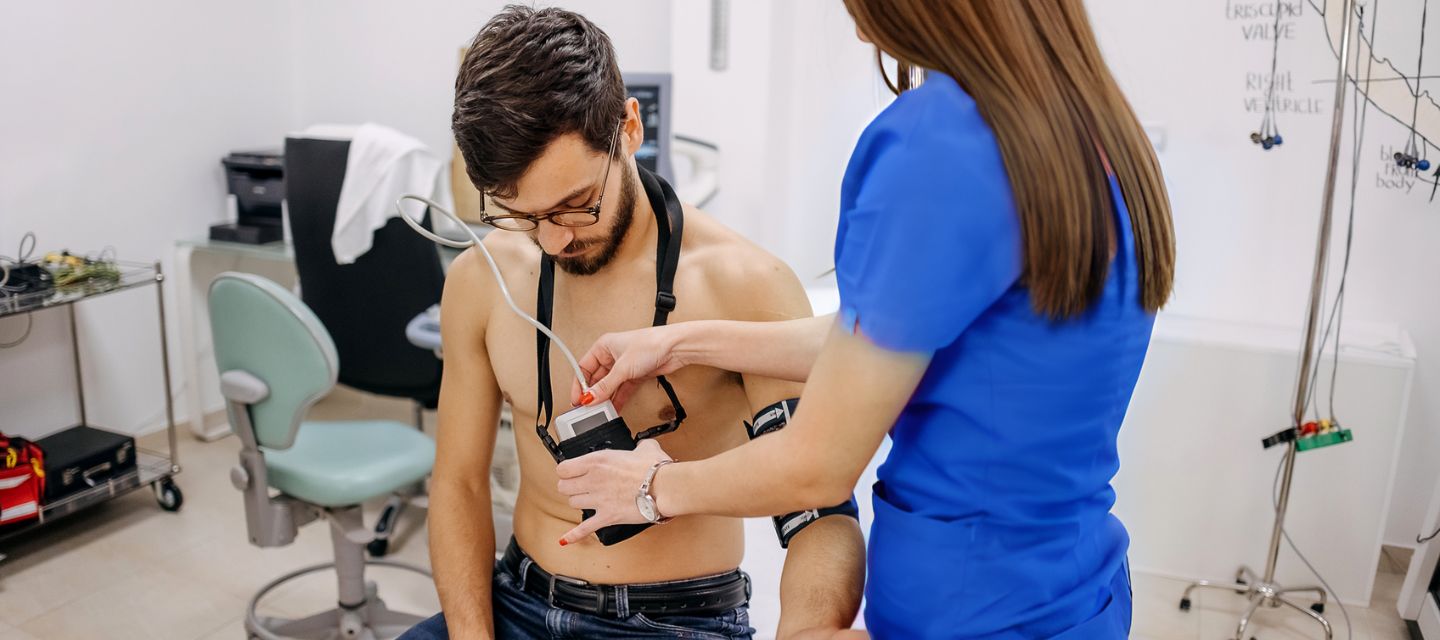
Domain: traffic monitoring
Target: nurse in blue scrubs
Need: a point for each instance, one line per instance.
(1004, 244)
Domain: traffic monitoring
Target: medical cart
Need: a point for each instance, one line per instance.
(153, 469)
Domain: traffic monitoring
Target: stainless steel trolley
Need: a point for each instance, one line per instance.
(153, 469)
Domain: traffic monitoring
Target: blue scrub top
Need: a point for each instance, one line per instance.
(992, 512)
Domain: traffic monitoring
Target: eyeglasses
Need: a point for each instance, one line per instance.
(519, 221)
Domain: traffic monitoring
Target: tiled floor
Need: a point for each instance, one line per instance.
(1214, 615)
(129, 570)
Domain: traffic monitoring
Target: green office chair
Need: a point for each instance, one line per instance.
(276, 360)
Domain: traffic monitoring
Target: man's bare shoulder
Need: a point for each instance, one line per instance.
(512, 250)
(469, 282)
(751, 283)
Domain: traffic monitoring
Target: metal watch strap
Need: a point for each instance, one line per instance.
(645, 489)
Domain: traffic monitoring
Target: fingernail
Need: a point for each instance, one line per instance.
(563, 542)
(586, 398)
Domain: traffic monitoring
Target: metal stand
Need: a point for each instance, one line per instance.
(1265, 592)
(154, 469)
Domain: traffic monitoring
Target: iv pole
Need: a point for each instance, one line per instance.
(1265, 591)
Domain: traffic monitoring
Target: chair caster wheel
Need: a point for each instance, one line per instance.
(1184, 604)
(1318, 607)
(378, 548)
(167, 493)
(353, 626)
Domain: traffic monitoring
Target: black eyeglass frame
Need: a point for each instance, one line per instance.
(584, 217)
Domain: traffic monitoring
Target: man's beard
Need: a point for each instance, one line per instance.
(609, 245)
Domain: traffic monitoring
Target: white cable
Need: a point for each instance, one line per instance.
(29, 324)
(474, 241)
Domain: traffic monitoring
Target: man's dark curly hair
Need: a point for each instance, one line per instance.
(530, 76)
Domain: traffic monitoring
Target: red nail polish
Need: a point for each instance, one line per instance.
(586, 398)
(563, 542)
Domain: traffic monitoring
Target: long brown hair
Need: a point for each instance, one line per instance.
(1036, 74)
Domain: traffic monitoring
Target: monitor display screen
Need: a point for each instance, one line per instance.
(591, 422)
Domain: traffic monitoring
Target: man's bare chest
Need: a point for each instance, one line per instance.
(712, 399)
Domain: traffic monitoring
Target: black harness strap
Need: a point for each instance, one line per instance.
(545, 312)
(670, 230)
(670, 225)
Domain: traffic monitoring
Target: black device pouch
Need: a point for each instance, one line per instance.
(614, 434)
(670, 223)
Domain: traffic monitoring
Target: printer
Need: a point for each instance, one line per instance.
(256, 179)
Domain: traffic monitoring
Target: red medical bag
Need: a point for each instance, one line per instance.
(22, 479)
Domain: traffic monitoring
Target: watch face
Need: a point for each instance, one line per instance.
(647, 508)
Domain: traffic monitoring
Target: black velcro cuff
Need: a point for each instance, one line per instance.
(772, 418)
(787, 526)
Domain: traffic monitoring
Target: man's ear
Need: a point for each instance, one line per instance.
(634, 128)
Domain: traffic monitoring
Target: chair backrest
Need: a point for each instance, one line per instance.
(266, 331)
(365, 305)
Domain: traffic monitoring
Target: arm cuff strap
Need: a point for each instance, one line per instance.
(774, 418)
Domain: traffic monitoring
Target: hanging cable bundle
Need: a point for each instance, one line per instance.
(1413, 157)
(1268, 137)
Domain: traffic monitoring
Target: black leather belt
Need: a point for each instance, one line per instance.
(707, 596)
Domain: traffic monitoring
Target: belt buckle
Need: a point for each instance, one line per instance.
(574, 582)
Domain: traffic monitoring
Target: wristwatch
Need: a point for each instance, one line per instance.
(646, 502)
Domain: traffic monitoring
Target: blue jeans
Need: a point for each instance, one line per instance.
(523, 616)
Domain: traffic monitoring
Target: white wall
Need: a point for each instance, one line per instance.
(1194, 488)
(112, 126)
(786, 113)
(729, 108)
(1246, 220)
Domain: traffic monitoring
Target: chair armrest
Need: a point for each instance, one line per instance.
(243, 387)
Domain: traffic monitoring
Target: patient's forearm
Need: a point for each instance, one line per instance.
(823, 580)
(462, 555)
(785, 349)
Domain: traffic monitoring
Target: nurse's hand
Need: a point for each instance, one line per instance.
(607, 481)
(619, 362)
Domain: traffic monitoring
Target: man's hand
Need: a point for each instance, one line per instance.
(607, 482)
(618, 362)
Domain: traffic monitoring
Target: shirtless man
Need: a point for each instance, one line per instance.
(547, 132)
